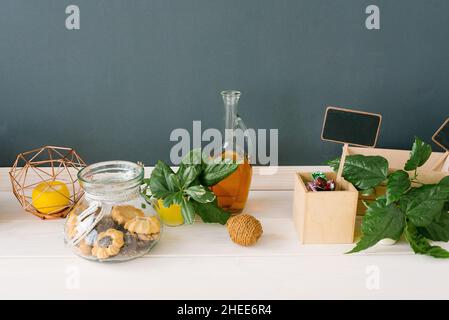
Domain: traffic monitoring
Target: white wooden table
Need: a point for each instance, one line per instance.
(200, 261)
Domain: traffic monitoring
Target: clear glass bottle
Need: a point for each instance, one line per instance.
(232, 192)
(113, 221)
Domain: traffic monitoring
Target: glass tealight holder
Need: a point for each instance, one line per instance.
(171, 216)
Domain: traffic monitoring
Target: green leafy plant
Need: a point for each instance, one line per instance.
(411, 208)
(189, 186)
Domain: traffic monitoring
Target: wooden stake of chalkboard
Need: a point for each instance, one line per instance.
(445, 166)
(442, 163)
(441, 138)
(339, 178)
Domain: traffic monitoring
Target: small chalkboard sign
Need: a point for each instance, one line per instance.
(351, 127)
(441, 137)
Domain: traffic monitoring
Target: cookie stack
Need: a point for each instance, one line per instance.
(124, 233)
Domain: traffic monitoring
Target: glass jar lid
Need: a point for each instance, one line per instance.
(104, 178)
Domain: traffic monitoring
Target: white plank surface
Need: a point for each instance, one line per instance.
(200, 261)
(324, 277)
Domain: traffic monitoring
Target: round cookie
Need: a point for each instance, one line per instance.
(146, 228)
(108, 244)
(123, 214)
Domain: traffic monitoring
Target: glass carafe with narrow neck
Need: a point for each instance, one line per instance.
(232, 192)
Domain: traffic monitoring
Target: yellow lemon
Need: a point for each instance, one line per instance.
(172, 215)
(50, 197)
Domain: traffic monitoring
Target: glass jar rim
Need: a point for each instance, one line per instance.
(231, 93)
(95, 175)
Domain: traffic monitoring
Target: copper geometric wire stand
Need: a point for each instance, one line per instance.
(46, 164)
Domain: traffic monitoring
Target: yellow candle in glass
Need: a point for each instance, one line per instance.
(50, 197)
(171, 216)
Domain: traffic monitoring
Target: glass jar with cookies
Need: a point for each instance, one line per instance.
(113, 221)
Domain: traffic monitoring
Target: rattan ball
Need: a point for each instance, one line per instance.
(244, 229)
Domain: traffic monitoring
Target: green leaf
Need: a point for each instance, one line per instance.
(187, 211)
(420, 153)
(365, 172)
(398, 183)
(425, 204)
(159, 185)
(184, 188)
(438, 252)
(438, 230)
(173, 198)
(210, 212)
(194, 157)
(214, 173)
(200, 194)
(174, 182)
(368, 192)
(319, 174)
(211, 171)
(334, 164)
(444, 183)
(421, 245)
(187, 176)
(380, 222)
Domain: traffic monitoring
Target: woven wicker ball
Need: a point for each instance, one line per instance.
(244, 229)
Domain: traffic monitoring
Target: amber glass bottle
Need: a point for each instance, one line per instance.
(232, 192)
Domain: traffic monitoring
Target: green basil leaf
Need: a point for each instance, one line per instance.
(368, 192)
(365, 172)
(425, 204)
(159, 185)
(420, 153)
(398, 183)
(173, 198)
(200, 194)
(174, 182)
(210, 212)
(194, 157)
(211, 171)
(145, 188)
(214, 173)
(444, 183)
(187, 176)
(421, 245)
(334, 164)
(182, 167)
(438, 230)
(380, 222)
(187, 211)
(438, 252)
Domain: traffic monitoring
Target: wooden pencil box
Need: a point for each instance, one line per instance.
(326, 217)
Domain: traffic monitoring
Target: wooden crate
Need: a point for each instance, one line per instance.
(324, 217)
(438, 161)
(397, 158)
(431, 177)
(426, 177)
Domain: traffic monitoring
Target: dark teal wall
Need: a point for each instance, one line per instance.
(138, 69)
